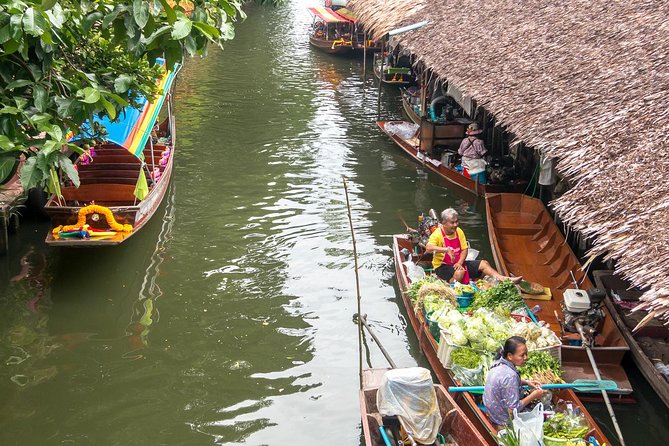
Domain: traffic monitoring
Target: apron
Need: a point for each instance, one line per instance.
(457, 251)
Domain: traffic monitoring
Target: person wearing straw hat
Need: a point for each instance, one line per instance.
(473, 150)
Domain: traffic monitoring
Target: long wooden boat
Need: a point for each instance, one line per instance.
(110, 177)
(411, 148)
(408, 100)
(468, 402)
(526, 242)
(327, 32)
(399, 76)
(646, 344)
(455, 425)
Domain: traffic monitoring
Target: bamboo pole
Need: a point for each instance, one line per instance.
(357, 278)
(378, 102)
(364, 60)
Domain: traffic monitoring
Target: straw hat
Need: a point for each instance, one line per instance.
(473, 129)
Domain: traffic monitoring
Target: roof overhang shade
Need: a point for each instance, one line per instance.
(134, 125)
(327, 14)
(346, 14)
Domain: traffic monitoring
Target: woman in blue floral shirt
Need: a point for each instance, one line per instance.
(504, 387)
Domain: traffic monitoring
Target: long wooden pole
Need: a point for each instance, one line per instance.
(357, 278)
(364, 60)
(383, 58)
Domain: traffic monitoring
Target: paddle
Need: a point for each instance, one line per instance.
(583, 385)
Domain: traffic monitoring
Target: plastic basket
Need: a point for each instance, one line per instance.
(433, 326)
(446, 349)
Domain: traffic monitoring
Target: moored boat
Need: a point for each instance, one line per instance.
(468, 402)
(526, 242)
(450, 134)
(411, 103)
(648, 345)
(116, 197)
(455, 427)
(391, 73)
(330, 32)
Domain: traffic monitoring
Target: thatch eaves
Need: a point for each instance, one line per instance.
(584, 81)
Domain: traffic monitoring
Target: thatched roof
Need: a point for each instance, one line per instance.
(585, 81)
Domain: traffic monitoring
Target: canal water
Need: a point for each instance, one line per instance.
(229, 318)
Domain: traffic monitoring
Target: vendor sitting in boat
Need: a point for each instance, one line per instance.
(504, 387)
(449, 246)
(473, 150)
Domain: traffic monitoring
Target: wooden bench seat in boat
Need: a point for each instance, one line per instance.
(104, 194)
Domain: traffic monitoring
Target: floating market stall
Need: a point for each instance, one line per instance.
(459, 342)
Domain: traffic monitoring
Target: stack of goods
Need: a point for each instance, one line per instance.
(566, 425)
(542, 367)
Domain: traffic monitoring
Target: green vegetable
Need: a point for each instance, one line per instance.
(510, 437)
(467, 358)
(504, 296)
(541, 365)
(413, 290)
(566, 426)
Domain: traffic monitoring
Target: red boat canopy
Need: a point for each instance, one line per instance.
(327, 14)
(346, 14)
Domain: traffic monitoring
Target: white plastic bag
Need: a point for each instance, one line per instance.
(414, 272)
(409, 394)
(529, 425)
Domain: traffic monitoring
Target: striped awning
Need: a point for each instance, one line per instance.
(346, 14)
(327, 14)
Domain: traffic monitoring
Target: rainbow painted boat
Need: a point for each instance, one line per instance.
(123, 179)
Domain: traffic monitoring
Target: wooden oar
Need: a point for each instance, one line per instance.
(583, 385)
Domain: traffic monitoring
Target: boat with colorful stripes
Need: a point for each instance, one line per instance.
(123, 179)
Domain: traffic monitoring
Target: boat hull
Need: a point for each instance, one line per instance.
(429, 348)
(526, 242)
(605, 280)
(445, 172)
(454, 421)
(327, 46)
(408, 108)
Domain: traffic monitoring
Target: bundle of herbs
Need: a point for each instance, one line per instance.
(504, 298)
(542, 367)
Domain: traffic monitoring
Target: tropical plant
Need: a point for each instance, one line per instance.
(63, 62)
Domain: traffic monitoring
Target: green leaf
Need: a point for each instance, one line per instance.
(190, 44)
(8, 163)
(40, 98)
(46, 38)
(109, 18)
(181, 28)
(55, 132)
(157, 33)
(140, 11)
(209, 31)
(56, 16)
(40, 121)
(227, 31)
(169, 12)
(111, 111)
(51, 146)
(18, 84)
(68, 168)
(48, 4)
(9, 110)
(16, 26)
(33, 22)
(10, 47)
(6, 144)
(65, 106)
(90, 95)
(5, 34)
(123, 83)
(30, 175)
(90, 20)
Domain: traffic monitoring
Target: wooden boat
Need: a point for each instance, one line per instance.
(468, 402)
(392, 75)
(409, 99)
(358, 41)
(526, 242)
(109, 178)
(330, 32)
(411, 148)
(647, 344)
(455, 425)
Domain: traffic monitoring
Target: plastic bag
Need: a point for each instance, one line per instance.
(469, 377)
(529, 425)
(403, 129)
(409, 394)
(414, 272)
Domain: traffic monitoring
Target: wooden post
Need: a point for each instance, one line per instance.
(364, 60)
(423, 94)
(4, 237)
(383, 58)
